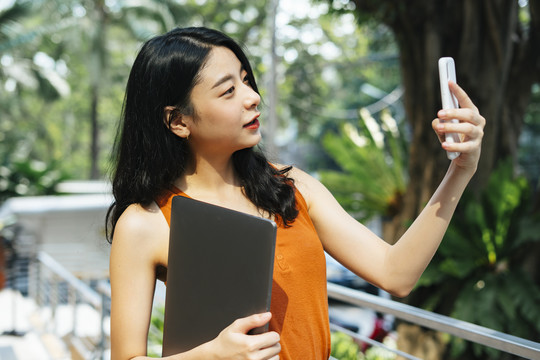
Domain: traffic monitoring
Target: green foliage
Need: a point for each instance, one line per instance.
(29, 178)
(373, 162)
(379, 353)
(326, 66)
(8, 19)
(477, 274)
(88, 47)
(529, 141)
(344, 347)
(155, 332)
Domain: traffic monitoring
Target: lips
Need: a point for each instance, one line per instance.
(253, 124)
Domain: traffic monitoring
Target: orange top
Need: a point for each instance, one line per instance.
(299, 299)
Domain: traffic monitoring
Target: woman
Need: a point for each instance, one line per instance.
(190, 125)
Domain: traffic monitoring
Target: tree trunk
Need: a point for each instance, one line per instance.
(94, 130)
(497, 61)
(97, 66)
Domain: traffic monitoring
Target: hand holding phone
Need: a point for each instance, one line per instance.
(447, 72)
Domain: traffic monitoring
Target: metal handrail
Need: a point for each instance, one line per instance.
(104, 288)
(465, 330)
(85, 293)
(367, 340)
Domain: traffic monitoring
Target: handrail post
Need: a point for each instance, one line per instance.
(37, 281)
(105, 291)
(72, 301)
(54, 301)
(101, 345)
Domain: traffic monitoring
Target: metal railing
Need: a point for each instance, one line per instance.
(464, 330)
(54, 288)
(51, 285)
(104, 289)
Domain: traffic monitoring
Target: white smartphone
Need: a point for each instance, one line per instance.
(447, 71)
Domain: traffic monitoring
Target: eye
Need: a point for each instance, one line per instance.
(229, 91)
(245, 80)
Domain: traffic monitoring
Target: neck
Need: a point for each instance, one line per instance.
(209, 175)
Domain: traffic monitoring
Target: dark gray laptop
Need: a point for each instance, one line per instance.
(220, 269)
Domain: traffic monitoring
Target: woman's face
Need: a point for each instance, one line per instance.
(225, 107)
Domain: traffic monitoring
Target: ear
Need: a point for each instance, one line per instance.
(176, 121)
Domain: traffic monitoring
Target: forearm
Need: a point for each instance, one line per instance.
(199, 353)
(408, 258)
(233, 343)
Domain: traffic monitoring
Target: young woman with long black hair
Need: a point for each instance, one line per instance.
(190, 128)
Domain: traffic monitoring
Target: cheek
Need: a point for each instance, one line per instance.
(222, 115)
(216, 121)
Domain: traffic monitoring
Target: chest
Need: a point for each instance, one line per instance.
(162, 256)
(298, 251)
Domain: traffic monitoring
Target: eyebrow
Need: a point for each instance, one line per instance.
(222, 80)
(226, 78)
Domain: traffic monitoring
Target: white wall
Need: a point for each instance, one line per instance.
(70, 228)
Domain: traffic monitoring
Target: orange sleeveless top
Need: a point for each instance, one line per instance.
(299, 304)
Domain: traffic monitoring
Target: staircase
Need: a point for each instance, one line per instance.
(23, 336)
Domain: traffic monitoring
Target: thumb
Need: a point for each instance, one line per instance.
(243, 325)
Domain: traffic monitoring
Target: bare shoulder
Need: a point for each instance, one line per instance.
(141, 229)
(295, 173)
(140, 222)
(310, 187)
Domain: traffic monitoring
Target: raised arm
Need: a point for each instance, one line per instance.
(141, 243)
(396, 268)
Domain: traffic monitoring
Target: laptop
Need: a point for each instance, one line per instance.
(220, 269)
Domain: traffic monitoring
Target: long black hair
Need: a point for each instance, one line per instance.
(148, 158)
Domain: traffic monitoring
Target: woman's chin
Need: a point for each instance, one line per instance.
(256, 140)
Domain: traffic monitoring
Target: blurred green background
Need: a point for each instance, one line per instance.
(349, 91)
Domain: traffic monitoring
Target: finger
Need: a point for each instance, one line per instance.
(466, 131)
(243, 325)
(464, 114)
(266, 340)
(461, 128)
(462, 97)
(271, 352)
(462, 147)
(440, 134)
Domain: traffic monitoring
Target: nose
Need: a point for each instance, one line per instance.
(252, 99)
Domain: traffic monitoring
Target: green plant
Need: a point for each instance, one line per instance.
(477, 274)
(29, 178)
(373, 162)
(380, 353)
(344, 347)
(155, 332)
